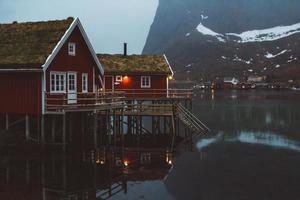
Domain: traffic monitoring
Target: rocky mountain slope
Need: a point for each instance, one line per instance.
(208, 39)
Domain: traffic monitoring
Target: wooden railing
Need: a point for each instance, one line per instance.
(54, 102)
(157, 93)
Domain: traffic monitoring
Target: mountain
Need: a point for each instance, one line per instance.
(217, 38)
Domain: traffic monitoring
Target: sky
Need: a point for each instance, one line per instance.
(108, 23)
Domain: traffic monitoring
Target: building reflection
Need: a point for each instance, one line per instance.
(84, 175)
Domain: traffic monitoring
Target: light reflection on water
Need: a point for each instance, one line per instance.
(267, 139)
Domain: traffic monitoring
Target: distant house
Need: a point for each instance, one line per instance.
(138, 76)
(42, 60)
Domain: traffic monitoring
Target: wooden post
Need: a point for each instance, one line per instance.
(6, 121)
(53, 127)
(27, 128)
(95, 130)
(43, 138)
(122, 132)
(64, 131)
(27, 171)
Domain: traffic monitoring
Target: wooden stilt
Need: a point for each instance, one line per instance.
(95, 130)
(27, 172)
(64, 131)
(6, 121)
(43, 138)
(53, 127)
(27, 128)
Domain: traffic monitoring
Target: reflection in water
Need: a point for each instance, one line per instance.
(268, 139)
(85, 175)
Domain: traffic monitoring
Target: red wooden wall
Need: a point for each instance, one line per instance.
(20, 93)
(132, 86)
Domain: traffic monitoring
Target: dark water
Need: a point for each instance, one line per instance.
(253, 153)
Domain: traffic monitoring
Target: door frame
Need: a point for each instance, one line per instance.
(72, 96)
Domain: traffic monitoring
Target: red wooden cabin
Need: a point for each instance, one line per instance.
(138, 76)
(45, 60)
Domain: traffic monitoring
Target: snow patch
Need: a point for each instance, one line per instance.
(269, 34)
(187, 35)
(204, 17)
(248, 62)
(223, 57)
(206, 31)
(189, 65)
(277, 66)
(269, 55)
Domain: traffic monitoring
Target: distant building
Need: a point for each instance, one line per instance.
(138, 76)
(256, 79)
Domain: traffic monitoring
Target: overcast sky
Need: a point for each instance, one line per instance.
(108, 23)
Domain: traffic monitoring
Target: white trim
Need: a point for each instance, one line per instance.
(86, 76)
(50, 81)
(146, 86)
(72, 53)
(169, 64)
(60, 44)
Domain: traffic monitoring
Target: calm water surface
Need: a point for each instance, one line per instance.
(253, 153)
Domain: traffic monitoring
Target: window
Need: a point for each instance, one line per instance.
(145, 82)
(84, 83)
(72, 49)
(57, 82)
(118, 78)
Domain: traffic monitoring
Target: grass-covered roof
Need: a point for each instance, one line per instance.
(134, 64)
(27, 45)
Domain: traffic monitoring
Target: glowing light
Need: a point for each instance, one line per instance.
(126, 163)
(97, 161)
(170, 77)
(125, 79)
(170, 162)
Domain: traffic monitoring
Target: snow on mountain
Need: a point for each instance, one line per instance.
(269, 55)
(262, 35)
(269, 34)
(206, 31)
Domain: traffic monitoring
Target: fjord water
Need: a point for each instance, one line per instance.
(254, 152)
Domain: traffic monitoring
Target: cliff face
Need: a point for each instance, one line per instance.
(195, 35)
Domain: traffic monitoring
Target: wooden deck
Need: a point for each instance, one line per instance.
(102, 101)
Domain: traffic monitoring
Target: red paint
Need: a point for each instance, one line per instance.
(21, 93)
(131, 85)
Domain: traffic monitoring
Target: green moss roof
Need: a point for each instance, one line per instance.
(120, 64)
(29, 44)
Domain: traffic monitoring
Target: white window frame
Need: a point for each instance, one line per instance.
(64, 83)
(86, 76)
(72, 53)
(119, 78)
(145, 85)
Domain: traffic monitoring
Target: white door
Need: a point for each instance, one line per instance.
(72, 88)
